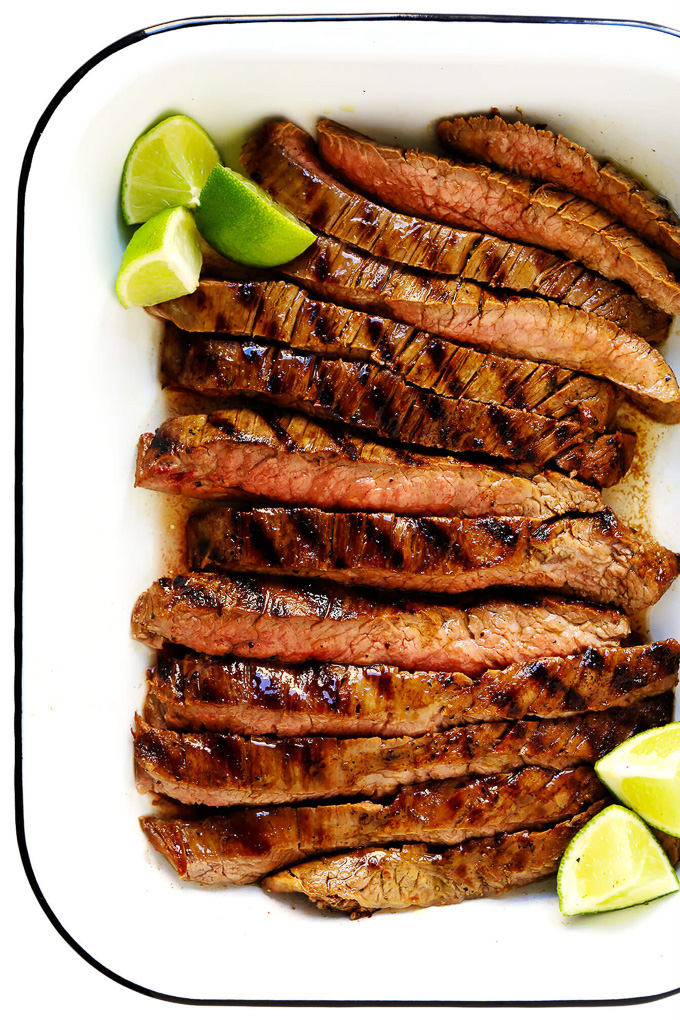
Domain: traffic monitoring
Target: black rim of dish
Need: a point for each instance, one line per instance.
(60, 95)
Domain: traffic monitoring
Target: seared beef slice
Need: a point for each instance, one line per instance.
(539, 154)
(189, 691)
(264, 619)
(595, 557)
(292, 459)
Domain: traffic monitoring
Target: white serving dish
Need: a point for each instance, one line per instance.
(92, 543)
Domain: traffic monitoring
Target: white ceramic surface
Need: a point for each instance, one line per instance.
(92, 542)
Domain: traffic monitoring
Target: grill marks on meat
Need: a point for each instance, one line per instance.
(220, 769)
(595, 680)
(244, 845)
(380, 401)
(282, 158)
(196, 692)
(483, 199)
(291, 459)
(593, 557)
(282, 313)
(510, 324)
(399, 878)
(265, 619)
(539, 154)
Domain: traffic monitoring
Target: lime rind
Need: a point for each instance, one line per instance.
(635, 868)
(162, 261)
(166, 166)
(243, 223)
(644, 774)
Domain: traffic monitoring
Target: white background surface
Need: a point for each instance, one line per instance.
(41, 49)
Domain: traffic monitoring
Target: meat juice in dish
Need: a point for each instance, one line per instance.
(423, 403)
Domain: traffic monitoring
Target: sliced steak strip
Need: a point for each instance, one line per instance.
(283, 159)
(282, 313)
(516, 325)
(381, 402)
(245, 845)
(400, 878)
(541, 155)
(297, 623)
(221, 769)
(292, 459)
(594, 557)
(195, 692)
(482, 199)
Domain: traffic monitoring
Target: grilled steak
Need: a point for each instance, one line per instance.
(282, 158)
(292, 459)
(380, 401)
(220, 769)
(283, 313)
(195, 692)
(295, 623)
(594, 557)
(540, 155)
(482, 199)
(521, 326)
(399, 878)
(244, 845)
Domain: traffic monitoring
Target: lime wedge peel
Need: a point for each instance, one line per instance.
(167, 166)
(613, 862)
(162, 261)
(242, 222)
(644, 774)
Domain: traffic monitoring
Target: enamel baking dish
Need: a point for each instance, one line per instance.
(91, 542)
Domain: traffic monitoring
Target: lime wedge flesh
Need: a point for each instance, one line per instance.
(241, 221)
(644, 773)
(167, 166)
(613, 862)
(162, 261)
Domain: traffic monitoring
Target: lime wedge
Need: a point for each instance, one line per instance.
(613, 862)
(162, 261)
(167, 166)
(242, 222)
(644, 773)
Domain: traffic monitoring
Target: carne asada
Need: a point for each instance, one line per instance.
(187, 691)
(509, 324)
(221, 769)
(347, 700)
(464, 195)
(376, 399)
(541, 155)
(282, 313)
(244, 845)
(292, 459)
(282, 158)
(271, 619)
(400, 878)
(594, 557)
